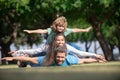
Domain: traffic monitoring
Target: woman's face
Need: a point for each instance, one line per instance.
(60, 57)
(60, 28)
(60, 40)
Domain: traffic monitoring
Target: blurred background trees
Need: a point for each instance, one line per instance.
(102, 15)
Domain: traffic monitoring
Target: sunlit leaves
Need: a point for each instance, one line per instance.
(106, 2)
(37, 13)
(45, 5)
(77, 4)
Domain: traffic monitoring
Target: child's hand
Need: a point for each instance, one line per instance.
(28, 31)
(88, 29)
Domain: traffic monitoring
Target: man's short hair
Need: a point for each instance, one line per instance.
(61, 49)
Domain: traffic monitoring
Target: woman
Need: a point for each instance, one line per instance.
(58, 40)
(59, 58)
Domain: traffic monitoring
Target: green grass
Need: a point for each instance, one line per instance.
(92, 71)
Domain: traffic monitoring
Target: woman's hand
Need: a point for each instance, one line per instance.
(12, 52)
(100, 58)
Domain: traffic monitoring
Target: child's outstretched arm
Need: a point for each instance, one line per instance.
(38, 31)
(75, 30)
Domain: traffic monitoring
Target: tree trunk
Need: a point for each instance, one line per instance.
(5, 48)
(107, 52)
(87, 45)
(119, 47)
(95, 46)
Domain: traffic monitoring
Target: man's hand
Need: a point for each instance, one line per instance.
(8, 58)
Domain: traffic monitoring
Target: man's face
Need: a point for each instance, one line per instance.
(60, 57)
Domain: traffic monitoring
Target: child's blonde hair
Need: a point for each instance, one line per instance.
(60, 21)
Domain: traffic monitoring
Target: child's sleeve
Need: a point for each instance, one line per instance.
(68, 31)
(49, 30)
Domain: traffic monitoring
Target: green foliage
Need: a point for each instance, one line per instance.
(35, 14)
(74, 22)
(106, 2)
(109, 34)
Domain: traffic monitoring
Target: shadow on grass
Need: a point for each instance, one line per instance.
(95, 71)
(60, 75)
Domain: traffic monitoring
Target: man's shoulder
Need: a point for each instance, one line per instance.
(41, 57)
(70, 56)
(72, 59)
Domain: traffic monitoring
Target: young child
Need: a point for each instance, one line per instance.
(60, 58)
(58, 26)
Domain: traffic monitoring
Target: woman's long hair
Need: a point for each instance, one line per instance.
(49, 58)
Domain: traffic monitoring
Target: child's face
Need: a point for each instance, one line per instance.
(60, 40)
(60, 57)
(60, 28)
